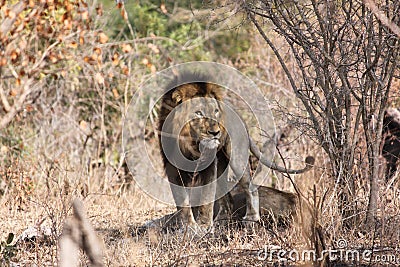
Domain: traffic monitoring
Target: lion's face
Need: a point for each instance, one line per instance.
(203, 122)
(198, 109)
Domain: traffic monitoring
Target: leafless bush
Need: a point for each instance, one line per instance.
(347, 61)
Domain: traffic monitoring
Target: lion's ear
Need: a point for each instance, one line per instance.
(184, 92)
(217, 91)
(177, 97)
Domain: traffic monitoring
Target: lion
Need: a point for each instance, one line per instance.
(196, 149)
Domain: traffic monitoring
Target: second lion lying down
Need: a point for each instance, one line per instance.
(197, 149)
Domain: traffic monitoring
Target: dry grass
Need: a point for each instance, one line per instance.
(115, 214)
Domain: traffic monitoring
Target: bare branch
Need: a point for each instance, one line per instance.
(4, 101)
(18, 104)
(9, 21)
(79, 233)
(382, 17)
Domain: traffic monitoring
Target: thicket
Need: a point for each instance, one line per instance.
(85, 60)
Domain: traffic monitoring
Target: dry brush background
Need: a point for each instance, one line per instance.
(68, 70)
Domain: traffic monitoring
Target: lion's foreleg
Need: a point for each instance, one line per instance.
(180, 194)
(223, 208)
(209, 187)
(182, 202)
(252, 200)
(240, 167)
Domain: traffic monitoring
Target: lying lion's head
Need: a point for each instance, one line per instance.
(197, 116)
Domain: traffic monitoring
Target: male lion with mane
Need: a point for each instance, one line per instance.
(196, 149)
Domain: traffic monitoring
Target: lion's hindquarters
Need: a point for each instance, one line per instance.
(275, 205)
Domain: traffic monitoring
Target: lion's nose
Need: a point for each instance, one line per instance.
(214, 132)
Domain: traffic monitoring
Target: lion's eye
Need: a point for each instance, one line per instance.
(216, 111)
(199, 114)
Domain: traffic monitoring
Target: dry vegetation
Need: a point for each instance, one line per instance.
(66, 81)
